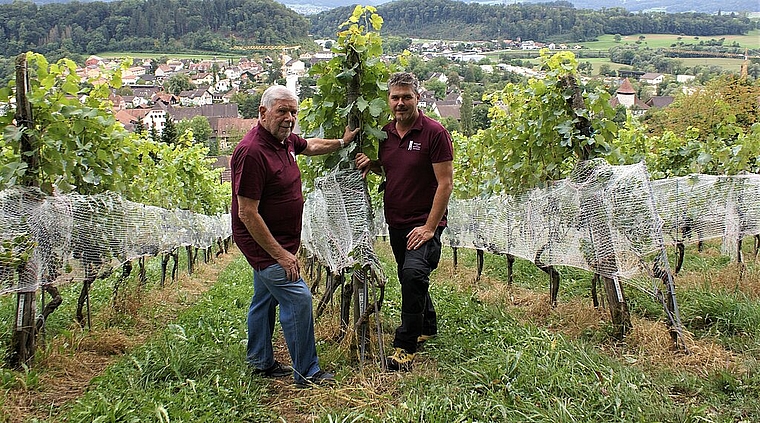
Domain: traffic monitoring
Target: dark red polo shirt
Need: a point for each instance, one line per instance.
(265, 169)
(410, 181)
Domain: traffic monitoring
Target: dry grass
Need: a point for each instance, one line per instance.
(648, 345)
(734, 277)
(68, 363)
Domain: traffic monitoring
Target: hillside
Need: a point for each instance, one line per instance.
(556, 21)
(151, 25)
(226, 26)
(670, 6)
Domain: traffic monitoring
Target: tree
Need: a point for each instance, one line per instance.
(451, 124)
(274, 72)
(438, 87)
(539, 133)
(465, 112)
(349, 87)
(198, 128)
(177, 83)
(170, 135)
(306, 87)
(81, 145)
(248, 104)
(480, 119)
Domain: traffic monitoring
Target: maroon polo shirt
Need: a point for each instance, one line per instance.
(410, 181)
(265, 169)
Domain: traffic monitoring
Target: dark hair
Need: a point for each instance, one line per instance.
(405, 79)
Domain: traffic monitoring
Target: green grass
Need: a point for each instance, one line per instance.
(194, 371)
(607, 41)
(492, 360)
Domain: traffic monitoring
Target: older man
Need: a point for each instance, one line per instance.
(267, 207)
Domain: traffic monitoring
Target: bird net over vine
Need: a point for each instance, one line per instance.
(338, 227)
(697, 208)
(67, 238)
(602, 218)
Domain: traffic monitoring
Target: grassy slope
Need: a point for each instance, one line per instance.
(502, 355)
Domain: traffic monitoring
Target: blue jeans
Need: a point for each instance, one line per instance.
(270, 288)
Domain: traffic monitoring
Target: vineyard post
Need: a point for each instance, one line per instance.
(24, 331)
(359, 276)
(619, 313)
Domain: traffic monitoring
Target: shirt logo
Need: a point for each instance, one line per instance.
(414, 146)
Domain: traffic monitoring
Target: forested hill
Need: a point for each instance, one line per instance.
(446, 19)
(169, 26)
(146, 25)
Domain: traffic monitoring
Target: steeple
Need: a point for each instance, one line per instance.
(745, 65)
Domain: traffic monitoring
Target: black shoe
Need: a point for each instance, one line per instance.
(400, 360)
(320, 378)
(275, 370)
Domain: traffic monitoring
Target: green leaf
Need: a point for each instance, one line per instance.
(377, 21)
(362, 104)
(704, 158)
(70, 88)
(377, 133)
(377, 107)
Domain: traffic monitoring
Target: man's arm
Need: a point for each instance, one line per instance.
(317, 146)
(248, 211)
(444, 174)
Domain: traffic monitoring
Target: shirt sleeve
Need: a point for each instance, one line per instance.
(250, 176)
(299, 144)
(441, 147)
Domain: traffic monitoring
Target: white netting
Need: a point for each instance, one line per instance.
(71, 237)
(338, 225)
(600, 219)
(702, 207)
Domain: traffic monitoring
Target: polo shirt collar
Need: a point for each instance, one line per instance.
(417, 126)
(270, 140)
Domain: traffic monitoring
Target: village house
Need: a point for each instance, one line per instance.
(427, 99)
(228, 131)
(197, 97)
(660, 101)
(163, 71)
(149, 118)
(652, 78)
(626, 97)
(202, 78)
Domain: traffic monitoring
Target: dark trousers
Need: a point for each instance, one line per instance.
(414, 267)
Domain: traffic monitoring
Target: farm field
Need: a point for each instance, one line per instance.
(502, 354)
(751, 40)
(728, 64)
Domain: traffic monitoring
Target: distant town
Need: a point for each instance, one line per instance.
(145, 102)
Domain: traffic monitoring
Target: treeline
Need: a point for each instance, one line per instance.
(167, 26)
(146, 25)
(555, 21)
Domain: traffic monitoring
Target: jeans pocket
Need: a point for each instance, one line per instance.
(275, 274)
